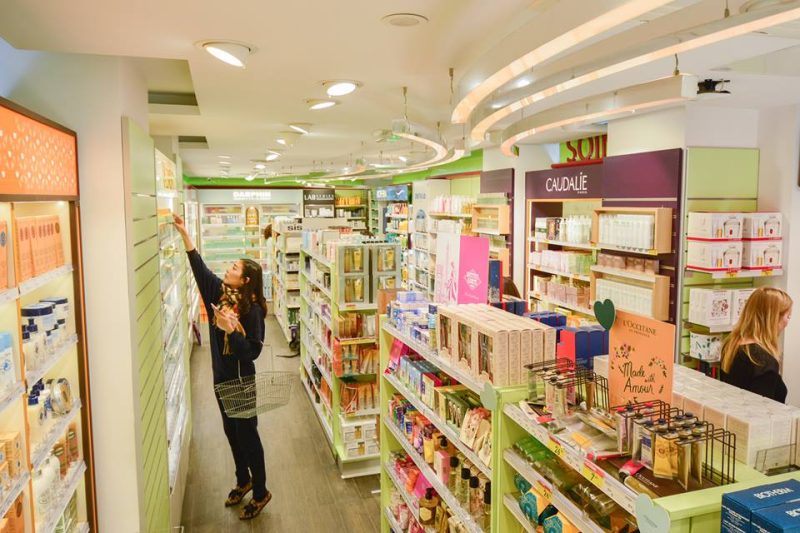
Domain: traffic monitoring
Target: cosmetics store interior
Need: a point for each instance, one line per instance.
(512, 253)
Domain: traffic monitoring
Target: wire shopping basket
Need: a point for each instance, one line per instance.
(249, 396)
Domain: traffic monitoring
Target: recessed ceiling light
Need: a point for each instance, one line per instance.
(260, 166)
(497, 105)
(224, 163)
(404, 20)
(249, 177)
(230, 52)
(224, 156)
(301, 127)
(403, 158)
(340, 87)
(524, 82)
(315, 104)
(272, 156)
(281, 140)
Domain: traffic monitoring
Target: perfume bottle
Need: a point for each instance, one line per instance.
(486, 518)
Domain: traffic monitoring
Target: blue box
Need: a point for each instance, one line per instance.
(739, 507)
(495, 280)
(779, 519)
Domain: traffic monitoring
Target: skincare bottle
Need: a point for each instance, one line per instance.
(462, 491)
(486, 520)
(475, 496)
(454, 470)
(427, 508)
(358, 287)
(357, 264)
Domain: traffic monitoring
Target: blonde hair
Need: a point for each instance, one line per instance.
(759, 321)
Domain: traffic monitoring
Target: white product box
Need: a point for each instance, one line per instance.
(705, 347)
(714, 413)
(757, 255)
(715, 225)
(601, 365)
(714, 255)
(740, 297)
(753, 434)
(762, 226)
(710, 307)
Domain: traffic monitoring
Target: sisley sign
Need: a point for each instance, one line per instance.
(565, 183)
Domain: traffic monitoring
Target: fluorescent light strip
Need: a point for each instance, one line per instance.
(646, 96)
(441, 151)
(736, 30)
(588, 30)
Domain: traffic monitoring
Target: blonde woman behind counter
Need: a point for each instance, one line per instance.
(751, 353)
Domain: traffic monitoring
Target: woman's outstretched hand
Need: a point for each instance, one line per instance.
(180, 227)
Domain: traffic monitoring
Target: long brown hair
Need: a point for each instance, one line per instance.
(759, 321)
(253, 290)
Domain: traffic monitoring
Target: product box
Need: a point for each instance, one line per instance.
(16, 516)
(12, 442)
(714, 256)
(559, 524)
(739, 508)
(779, 519)
(710, 307)
(739, 297)
(762, 226)
(762, 255)
(492, 361)
(753, 434)
(703, 225)
(705, 347)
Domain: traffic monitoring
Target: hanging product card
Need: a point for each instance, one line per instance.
(640, 359)
(462, 269)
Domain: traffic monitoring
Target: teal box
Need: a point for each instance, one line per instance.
(780, 519)
(739, 507)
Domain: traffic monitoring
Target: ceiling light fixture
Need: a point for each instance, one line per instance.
(691, 39)
(708, 87)
(281, 140)
(340, 87)
(548, 50)
(303, 128)
(656, 94)
(260, 166)
(224, 156)
(524, 82)
(272, 156)
(404, 20)
(231, 52)
(250, 177)
(315, 104)
(403, 158)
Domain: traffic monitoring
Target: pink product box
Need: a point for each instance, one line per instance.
(714, 255)
(761, 255)
(721, 226)
(762, 226)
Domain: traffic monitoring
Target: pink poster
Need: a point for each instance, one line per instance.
(473, 270)
(446, 276)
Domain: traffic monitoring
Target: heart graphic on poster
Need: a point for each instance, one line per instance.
(605, 313)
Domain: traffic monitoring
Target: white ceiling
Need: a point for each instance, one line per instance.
(303, 42)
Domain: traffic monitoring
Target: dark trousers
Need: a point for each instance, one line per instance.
(248, 453)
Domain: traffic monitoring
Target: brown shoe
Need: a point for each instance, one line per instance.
(254, 507)
(236, 496)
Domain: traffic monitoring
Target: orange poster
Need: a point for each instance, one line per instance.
(36, 158)
(641, 357)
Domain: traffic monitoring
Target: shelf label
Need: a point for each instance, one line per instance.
(594, 474)
(546, 490)
(732, 274)
(556, 447)
(766, 272)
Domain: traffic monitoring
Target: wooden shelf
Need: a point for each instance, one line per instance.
(498, 212)
(554, 272)
(576, 245)
(662, 228)
(658, 283)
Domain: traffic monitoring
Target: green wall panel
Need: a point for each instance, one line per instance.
(143, 223)
(722, 173)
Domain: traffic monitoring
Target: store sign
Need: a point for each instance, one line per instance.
(641, 358)
(37, 157)
(584, 150)
(318, 196)
(251, 196)
(394, 193)
(565, 183)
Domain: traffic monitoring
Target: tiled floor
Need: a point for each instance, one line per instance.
(309, 496)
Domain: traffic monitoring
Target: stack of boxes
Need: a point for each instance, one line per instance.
(359, 436)
(719, 242)
(718, 309)
(11, 464)
(773, 508)
(14, 520)
(40, 245)
(570, 293)
(492, 345)
(758, 422)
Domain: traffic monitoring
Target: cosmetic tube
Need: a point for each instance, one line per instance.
(646, 443)
(684, 461)
(636, 437)
(590, 393)
(661, 461)
(559, 401)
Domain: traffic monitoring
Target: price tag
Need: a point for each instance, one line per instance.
(556, 448)
(594, 474)
(732, 274)
(766, 272)
(546, 491)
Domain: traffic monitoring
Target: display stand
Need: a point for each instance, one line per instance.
(694, 511)
(41, 258)
(329, 344)
(492, 218)
(352, 205)
(285, 269)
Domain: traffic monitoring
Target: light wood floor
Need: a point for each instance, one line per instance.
(308, 494)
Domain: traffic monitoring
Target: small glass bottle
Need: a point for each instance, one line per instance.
(486, 519)
(454, 470)
(462, 491)
(475, 496)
